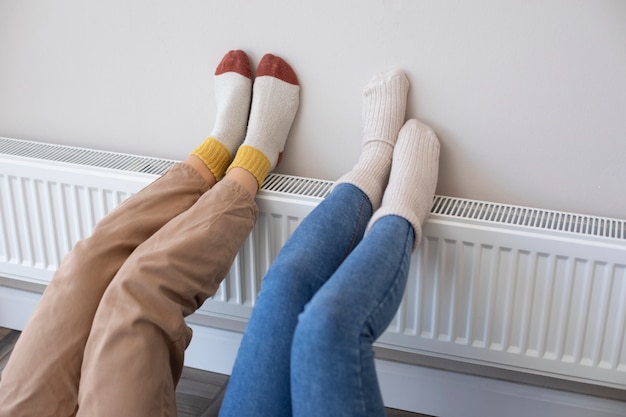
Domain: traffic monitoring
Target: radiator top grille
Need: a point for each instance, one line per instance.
(530, 217)
(297, 185)
(83, 156)
(309, 187)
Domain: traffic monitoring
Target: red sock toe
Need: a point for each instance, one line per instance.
(235, 61)
(274, 66)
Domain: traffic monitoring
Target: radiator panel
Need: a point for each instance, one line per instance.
(521, 300)
(47, 206)
(518, 288)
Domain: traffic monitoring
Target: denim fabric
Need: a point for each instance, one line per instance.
(329, 294)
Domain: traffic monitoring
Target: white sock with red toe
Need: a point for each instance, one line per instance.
(233, 92)
(275, 100)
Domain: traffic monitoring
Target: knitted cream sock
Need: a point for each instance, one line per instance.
(275, 100)
(384, 107)
(413, 177)
(233, 92)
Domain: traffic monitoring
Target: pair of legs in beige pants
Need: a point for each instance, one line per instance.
(108, 336)
(109, 332)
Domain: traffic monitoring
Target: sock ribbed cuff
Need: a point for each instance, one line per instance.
(371, 172)
(214, 155)
(253, 161)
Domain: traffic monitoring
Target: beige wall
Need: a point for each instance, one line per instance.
(528, 97)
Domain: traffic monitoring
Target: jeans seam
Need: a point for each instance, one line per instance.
(367, 322)
(395, 282)
(356, 229)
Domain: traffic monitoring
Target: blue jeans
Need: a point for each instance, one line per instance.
(327, 297)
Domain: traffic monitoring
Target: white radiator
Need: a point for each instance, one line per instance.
(524, 289)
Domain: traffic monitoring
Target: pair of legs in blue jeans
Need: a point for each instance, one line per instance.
(325, 300)
(336, 284)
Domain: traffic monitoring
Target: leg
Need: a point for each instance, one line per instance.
(139, 328)
(63, 318)
(310, 256)
(333, 369)
(42, 375)
(333, 363)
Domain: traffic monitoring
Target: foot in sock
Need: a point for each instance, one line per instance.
(275, 100)
(233, 93)
(413, 178)
(384, 107)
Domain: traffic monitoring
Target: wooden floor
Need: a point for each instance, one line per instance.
(199, 393)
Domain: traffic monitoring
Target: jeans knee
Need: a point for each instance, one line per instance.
(286, 285)
(323, 325)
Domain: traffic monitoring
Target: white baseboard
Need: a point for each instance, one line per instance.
(406, 387)
(448, 394)
(16, 306)
(431, 391)
(212, 349)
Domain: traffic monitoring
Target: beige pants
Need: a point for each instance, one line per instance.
(108, 336)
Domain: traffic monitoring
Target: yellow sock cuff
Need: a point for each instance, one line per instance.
(253, 161)
(214, 155)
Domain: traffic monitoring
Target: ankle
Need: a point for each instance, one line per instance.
(371, 172)
(199, 166)
(244, 178)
